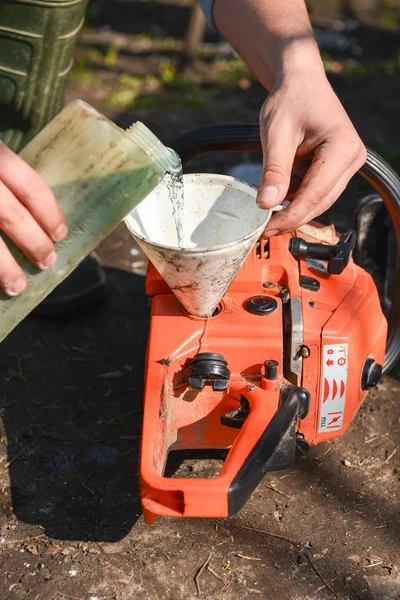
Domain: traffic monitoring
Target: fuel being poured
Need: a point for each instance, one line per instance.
(174, 182)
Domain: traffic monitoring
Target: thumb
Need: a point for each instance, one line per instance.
(279, 153)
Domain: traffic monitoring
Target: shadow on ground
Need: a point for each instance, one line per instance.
(77, 416)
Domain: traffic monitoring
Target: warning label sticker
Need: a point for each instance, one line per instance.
(334, 384)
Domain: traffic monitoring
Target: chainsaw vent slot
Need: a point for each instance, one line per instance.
(195, 464)
(262, 249)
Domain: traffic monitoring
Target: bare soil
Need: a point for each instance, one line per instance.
(71, 393)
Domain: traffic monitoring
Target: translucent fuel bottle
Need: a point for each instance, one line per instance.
(98, 174)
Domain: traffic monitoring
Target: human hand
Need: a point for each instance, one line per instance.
(303, 117)
(29, 216)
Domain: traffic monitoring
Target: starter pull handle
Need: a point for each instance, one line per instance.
(337, 255)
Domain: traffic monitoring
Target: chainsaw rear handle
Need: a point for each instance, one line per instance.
(246, 138)
(275, 449)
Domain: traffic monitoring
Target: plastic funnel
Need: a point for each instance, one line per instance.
(221, 224)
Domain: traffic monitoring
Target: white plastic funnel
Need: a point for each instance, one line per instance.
(221, 224)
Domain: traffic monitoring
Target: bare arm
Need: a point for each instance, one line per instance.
(302, 116)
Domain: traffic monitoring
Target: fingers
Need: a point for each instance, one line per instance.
(332, 167)
(293, 213)
(21, 228)
(33, 192)
(12, 279)
(279, 149)
(300, 167)
(30, 217)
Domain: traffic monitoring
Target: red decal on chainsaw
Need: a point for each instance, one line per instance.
(333, 394)
(326, 390)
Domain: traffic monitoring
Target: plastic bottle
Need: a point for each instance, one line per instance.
(98, 174)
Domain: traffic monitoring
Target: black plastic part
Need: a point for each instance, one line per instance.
(274, 450)
(302, 446)
(236, 418)
(337, 255)
(218, 138)
(245, 137)
(309, 283)
(208, 368)
(304, 398)
(261, 305)
(375, 248)
(371, 374)
(271, 369)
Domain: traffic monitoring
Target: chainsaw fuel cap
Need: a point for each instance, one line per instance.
(261, 305)
(208, 368)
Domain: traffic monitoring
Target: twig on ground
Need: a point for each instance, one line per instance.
(247, 557)
(82, 482)
(134, 449)
(373, 565)
(269, 533)
(10, 462)
(318, 572)
(66, 595)
(324, 454)
(91, 473)
(299, 547)
(81, 350)
(270, 487)
(228, 583)
(128, 414)
(199, 572)
(57, 437)
(211, 570)
(322, 587)
(375, 438)
(390, 456)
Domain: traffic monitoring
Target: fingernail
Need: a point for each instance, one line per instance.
(272, 232)
(49, 261)
(267, 195)
(16, 288)
(60, 233)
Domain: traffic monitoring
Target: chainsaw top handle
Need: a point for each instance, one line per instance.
(246, 138)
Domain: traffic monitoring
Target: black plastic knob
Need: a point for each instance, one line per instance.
(271, 369)
(261, 305)
(371, 374)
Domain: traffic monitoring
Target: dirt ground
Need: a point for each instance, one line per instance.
(71, 393)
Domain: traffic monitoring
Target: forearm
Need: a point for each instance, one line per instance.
(274, 37)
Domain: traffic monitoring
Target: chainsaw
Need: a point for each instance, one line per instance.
(293, 348)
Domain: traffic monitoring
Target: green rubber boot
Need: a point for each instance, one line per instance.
(37, 42)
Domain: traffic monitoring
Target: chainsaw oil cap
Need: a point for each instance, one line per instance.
(371, 374)
(261, 305)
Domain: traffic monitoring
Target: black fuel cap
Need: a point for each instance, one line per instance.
(371, 374)
(261, 305)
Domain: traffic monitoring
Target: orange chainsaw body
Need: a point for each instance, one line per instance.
(323, 332)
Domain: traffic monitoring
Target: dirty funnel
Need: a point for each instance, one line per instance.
(221, 224)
